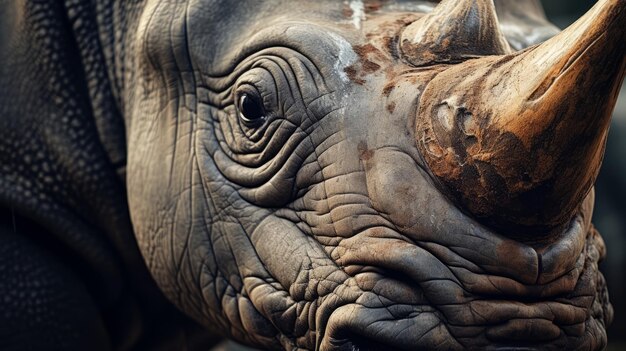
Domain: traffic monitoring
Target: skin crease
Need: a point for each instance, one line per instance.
(321, 226)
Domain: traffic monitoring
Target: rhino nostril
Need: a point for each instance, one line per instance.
(375, 323)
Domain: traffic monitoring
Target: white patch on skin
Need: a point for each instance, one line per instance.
(345, 57)
(425, 8)
(358, 13)
(410, 7)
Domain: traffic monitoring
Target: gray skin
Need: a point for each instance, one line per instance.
(315, 228)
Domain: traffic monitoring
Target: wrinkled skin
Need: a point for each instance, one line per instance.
(321, 227)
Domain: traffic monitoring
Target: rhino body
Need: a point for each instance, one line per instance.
(303, 175)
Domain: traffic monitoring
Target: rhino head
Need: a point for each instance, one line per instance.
(328, 175)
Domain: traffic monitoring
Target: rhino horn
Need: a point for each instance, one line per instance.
(454, 31)
(518, 139)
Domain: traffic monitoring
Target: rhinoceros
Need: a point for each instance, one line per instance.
(303, 175)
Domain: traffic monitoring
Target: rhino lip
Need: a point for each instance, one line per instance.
(426, 300)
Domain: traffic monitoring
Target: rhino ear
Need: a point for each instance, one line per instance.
(456, 30)
(524, 22)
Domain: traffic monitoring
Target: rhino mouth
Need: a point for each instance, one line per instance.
(424, 295)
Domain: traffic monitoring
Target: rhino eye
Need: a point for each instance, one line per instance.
(251, 111)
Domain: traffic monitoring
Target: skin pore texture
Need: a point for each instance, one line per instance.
(323, 175)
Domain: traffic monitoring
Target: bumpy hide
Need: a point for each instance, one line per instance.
(303, 175)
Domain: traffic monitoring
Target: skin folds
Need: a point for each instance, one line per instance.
(314, 175)
(321, 226)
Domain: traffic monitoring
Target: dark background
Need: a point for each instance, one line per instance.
(610, 211)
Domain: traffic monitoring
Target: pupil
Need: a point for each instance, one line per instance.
(251, 109)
